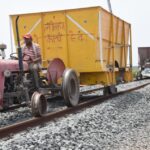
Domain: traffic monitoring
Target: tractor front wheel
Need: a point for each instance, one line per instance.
(38, 104)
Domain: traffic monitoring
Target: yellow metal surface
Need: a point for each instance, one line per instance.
(89, 40)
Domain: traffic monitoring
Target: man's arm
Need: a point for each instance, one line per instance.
(38, 58)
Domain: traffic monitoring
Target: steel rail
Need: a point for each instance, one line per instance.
(92, 90)
(13, 107)
(21, 126)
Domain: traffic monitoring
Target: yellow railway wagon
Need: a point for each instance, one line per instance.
(92, 41)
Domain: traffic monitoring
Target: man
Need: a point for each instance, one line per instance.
(31, 51)
(32, 55)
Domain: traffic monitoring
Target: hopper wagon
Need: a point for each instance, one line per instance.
(79, 46)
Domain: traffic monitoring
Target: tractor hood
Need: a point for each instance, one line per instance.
(11, 65)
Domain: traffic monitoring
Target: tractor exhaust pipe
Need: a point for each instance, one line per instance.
(20, 59)
(109, 6)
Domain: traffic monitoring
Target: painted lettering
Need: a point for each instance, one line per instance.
(53, 38)
(54, 26)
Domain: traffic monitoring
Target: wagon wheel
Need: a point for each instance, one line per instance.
(109, 90)
(70, 87)
(38, 104)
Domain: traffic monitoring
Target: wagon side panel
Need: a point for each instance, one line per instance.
(54, 35)
(82, 39)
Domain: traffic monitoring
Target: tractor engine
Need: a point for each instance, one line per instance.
(12, 90)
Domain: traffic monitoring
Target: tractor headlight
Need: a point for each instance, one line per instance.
(7, 73)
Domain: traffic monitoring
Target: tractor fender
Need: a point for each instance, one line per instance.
(55, 70)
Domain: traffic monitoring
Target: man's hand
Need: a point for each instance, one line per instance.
(37, 60)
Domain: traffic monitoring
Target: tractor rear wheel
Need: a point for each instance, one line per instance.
(38, 104)
(70, 87)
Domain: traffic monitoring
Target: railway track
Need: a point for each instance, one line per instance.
(25, 105)
(14, 107)
(18, 127)
(81, 93)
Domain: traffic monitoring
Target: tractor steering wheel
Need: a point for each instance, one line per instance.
(12, 56)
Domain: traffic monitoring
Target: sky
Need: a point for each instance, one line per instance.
(136, 12)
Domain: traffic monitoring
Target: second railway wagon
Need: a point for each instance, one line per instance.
(143, 62)
(92, 41)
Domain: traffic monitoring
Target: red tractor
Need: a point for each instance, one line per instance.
(18, 84)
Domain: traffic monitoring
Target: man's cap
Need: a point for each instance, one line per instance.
(27, 36)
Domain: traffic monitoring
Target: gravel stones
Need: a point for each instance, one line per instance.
(120, 123)
(10, 117)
